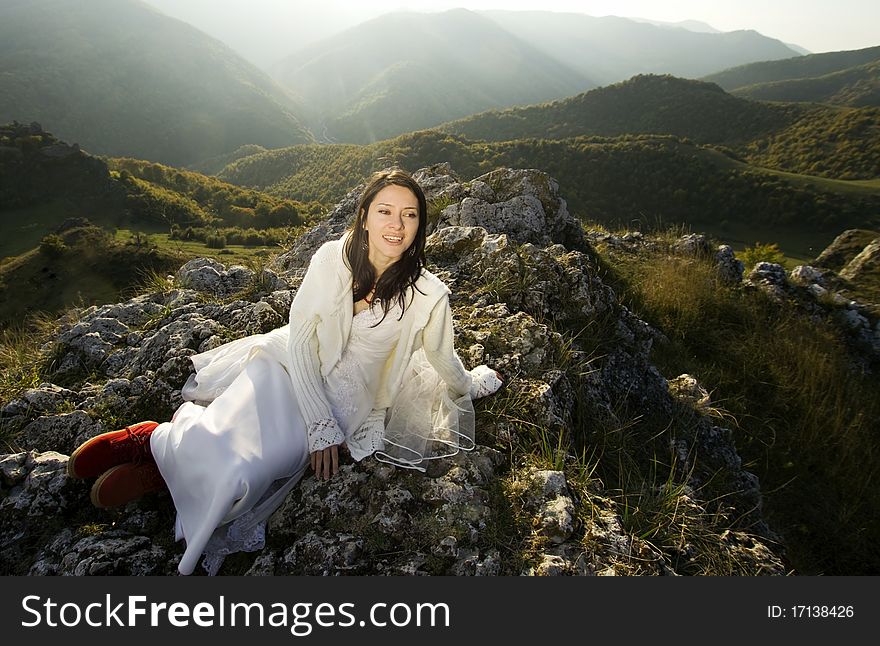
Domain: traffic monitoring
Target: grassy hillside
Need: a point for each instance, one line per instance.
(645, 182)
(174, 196)
(35, 164)
(44, 182)
(327, 172)
(120, 78)
(803, 414)
(82, 265)
(798, 67)
(405, 71)
(856, 86)
(829, 141)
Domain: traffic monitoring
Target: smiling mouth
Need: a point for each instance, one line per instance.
(393, 239)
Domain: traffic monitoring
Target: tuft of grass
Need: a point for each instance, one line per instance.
(435, 208)
(154, 321)
(258, 263)
(92, 529)
(27, 356)
(154, 282)
(511, 428)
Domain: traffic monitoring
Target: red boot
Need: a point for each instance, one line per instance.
(126, 482)
(95, 456)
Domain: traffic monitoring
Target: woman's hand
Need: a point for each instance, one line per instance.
(325, 463)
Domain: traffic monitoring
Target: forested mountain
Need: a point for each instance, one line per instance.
(849, 78)
(855, 86)
(120, 78)
(644, 104)
(834, 142)
(798, 67)
(405, 71)
(611, 49)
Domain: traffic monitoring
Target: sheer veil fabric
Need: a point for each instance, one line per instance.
(426, 422)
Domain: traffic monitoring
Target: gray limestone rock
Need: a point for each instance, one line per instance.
(692, 244)
(730, 269)
(59, 432)
(771, 278)
(687, 389)
(866, 262)
(805, 275)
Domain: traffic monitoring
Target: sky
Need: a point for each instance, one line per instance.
(266, 30)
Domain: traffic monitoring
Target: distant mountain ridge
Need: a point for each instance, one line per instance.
(850, 78)
(857, 86)
(362, 85)
(611, 49)
(798, 67)
(120, 78)
(690, 25)
(406, 71)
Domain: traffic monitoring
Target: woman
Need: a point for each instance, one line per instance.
(367, 363)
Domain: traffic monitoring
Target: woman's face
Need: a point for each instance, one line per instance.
(392, 223)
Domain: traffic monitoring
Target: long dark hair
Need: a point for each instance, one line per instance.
(403, 274)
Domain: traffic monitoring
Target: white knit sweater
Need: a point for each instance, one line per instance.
(320, 323)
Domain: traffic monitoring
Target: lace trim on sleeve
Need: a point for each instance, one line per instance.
(485, 382)
(368, 437)
(324, 433)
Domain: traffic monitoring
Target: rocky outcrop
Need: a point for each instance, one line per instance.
(525, 205)
(528, 300)
(35, 164)
(693, 245)
(817, 292)
(867, 262)
(844, 248)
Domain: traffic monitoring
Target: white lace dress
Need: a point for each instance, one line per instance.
(230, 463)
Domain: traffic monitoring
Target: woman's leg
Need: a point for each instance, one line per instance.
(221, 459)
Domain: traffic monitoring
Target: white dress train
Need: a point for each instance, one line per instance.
(229, 464)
